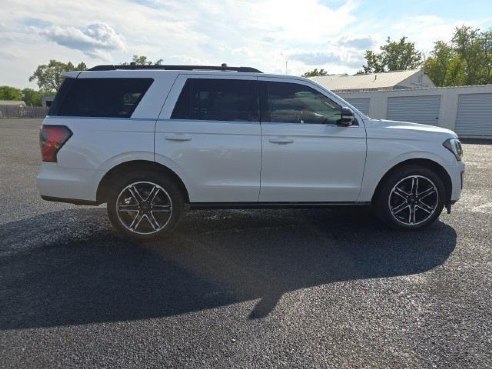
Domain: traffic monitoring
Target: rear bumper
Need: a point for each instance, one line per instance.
(55, 183)
(70, 201)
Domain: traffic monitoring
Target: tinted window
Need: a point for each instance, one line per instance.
(100, 97)
(217, 99)
(294, 103)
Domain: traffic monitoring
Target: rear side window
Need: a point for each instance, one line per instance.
(217, 99)
(99, 97)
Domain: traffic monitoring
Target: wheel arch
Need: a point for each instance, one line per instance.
(426, 163)
(116, 171)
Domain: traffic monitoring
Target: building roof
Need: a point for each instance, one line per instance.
(12, 103)
(374, 81)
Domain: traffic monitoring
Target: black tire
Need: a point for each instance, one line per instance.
(150, 199)
(400, 203)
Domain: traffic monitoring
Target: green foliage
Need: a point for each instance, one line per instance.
(49, 77)
(31, 97)
(143, 60)
(28, 95)
(466, 60)
(10, 93)
(394, 55)
(315, 72)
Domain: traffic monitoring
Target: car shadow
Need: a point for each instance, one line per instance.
(68, 267)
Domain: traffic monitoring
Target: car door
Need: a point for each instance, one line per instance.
(306, 156)
(209, 131)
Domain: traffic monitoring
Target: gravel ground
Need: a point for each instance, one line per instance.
(265, 288)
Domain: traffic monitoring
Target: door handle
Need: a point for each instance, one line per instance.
(178, 137)
(280, 140)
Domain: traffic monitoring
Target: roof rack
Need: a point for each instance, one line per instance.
(133, 66)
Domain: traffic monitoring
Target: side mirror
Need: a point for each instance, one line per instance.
(346, 117)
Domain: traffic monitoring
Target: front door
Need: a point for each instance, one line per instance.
(306, 156)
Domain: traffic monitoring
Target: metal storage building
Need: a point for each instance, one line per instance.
(466, 110)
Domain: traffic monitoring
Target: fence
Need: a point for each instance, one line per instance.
(23, 111)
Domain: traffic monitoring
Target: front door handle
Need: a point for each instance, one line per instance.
(281, 140)
(178, 137)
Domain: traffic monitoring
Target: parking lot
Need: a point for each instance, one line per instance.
(327, 288)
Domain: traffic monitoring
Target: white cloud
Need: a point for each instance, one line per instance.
(259, 33)
(95, 40)
(436, 28)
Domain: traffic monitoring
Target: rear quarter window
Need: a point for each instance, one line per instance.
(100, 97)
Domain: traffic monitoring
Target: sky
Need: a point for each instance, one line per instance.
(274, 36)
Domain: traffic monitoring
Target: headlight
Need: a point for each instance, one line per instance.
(454, 145)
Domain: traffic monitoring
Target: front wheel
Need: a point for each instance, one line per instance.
(144, 205)
(410, 198)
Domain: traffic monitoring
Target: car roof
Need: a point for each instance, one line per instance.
(132, 66)
(135, 71)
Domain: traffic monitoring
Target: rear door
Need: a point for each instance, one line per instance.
(306, 156)
(209, 132)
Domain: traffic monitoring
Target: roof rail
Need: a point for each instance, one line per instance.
(133, 66)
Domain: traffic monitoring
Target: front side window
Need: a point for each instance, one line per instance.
(100, 97)
(217, 99)
(286, 102)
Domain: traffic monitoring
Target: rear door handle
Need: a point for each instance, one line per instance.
(281, 140)
(178, 137)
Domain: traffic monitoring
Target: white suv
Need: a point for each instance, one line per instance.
(154, 141)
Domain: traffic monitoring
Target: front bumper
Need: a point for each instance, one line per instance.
(457, 180)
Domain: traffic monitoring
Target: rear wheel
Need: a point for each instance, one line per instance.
(144, 205)
(411, 198)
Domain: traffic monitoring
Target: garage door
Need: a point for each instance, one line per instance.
(360, 103)
(418, 109)
(474, 115)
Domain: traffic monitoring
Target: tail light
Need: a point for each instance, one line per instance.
(51, 139)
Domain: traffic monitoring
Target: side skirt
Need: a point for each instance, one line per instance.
(271, 205)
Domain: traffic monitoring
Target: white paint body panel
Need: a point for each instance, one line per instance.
(311, 162)
(96, 146)
(390, 143)
(219, 161)
(323, 163)
(235, 161)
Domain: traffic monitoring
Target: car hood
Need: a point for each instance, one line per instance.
(405, 130)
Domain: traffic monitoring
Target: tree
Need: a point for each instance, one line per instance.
(475, 49)
(465, 60)
(315, 72)
(143, 60)
(444, 67)
(31, 97)
(394, 55)
(49, 77)
(10, 93)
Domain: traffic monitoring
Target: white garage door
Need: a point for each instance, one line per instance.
(418, 109)
(360, 103)
(474, 116)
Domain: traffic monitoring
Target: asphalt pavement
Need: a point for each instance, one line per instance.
(326, 288)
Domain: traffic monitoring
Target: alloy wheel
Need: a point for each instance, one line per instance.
(413, 200)
(144, 208)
